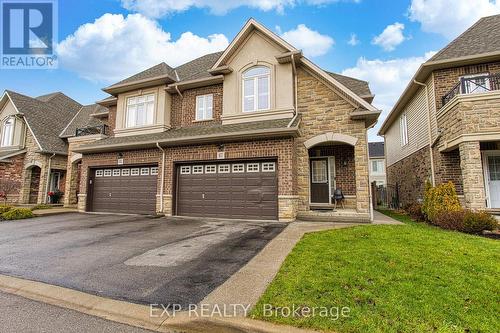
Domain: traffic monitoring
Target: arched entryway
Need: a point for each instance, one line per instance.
(34, 184)
(331, 167)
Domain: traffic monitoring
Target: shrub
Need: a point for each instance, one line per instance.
(476, 222)
(41, 206)
(414, 210)
(17, 214)
(442, 198)
(466, 221)
(5, 208)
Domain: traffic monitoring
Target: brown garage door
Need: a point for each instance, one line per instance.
(124, 190)
(239, 190)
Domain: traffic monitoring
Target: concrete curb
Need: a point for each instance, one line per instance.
(133, 314)
(53, 211)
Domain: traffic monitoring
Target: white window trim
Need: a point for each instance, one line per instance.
(108, 173)
(8, 142)
(196, 168)
(211, 168)
(403, 129)
(125, 172)
(135, 171)
(241, 170)
(99, 173)
(127, 106)
(253, 167)
(116, 172)
(316, 180)
(268, 167)
(255, 79)
(227, 168)
(154, 171)
(144, 171)
(185, 170)
(205, 107)
(472, 76)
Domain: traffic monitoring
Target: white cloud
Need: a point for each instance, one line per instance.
(159, 8)
(391, 37)
(114, 47)
(450, 17)
(310, 41)
(388, 79)
(353, 41)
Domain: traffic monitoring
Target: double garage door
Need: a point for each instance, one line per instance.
(129, 190)
(238, 190)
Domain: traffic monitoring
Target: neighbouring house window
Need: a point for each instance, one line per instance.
(478, 83)
(403, 129)
(204, 107)
(256, 89)
(8, 132)
(140, 110)
(377, 166)
(319, 171)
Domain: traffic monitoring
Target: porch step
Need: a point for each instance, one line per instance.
(335, 216)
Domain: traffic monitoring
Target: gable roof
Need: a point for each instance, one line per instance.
(478, 44)
(359, 87)
(83, 118)
(376, 149)
(160, 70)
(46, 116)
(480, 38)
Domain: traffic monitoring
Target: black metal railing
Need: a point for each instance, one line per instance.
(386, 196)
(92, 130)
(473, 85)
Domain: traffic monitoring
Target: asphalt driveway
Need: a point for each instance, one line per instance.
(133, 258)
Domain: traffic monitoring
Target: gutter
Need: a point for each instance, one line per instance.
(431, 155)
(162, 176)
(48, 176)
(295, 87)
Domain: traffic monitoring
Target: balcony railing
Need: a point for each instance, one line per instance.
(92, 130)
(473, 85)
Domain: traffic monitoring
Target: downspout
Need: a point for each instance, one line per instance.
(162, 185)
(295, 88)
(48, 176)
(433, 180)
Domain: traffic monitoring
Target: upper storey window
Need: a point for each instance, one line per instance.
(140, 110)
(204, 107)
(8, 132)
(256, 89)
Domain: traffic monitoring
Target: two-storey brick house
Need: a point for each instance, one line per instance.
(256, 132)
(446, 125)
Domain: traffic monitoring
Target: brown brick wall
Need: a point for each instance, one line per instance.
(447, 168)
(446, 79)
(184, 108)
(345, 175)
(13, 172)
(410, 174)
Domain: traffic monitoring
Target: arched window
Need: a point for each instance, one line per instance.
(256, 89)
(8, 132)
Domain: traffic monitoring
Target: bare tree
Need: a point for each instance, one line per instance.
(8, 187)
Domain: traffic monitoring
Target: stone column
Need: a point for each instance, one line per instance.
(362, 179)
(472, 174)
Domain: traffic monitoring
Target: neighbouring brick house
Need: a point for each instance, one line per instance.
(33, 151)
(256, 132)
(446, 125)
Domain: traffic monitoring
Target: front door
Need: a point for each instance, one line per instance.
(320, 191)
(493, 180)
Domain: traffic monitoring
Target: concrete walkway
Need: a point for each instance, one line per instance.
(54, 211)
(379, 218)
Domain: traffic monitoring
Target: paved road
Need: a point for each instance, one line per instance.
(18, 314)
(133, 258)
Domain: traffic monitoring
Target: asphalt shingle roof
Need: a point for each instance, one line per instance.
(84, 119)
(47, 116)
(481, 38)
(359, 87)
(184, 132)
(376, 149)
(161, 69)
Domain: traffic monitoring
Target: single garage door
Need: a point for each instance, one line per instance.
(124, 190)
(238, 190)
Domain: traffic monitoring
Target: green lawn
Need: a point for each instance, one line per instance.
(393, 278)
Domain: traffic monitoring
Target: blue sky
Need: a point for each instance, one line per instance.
(102, 41)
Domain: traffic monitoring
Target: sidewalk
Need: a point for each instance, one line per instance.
(379, 218)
